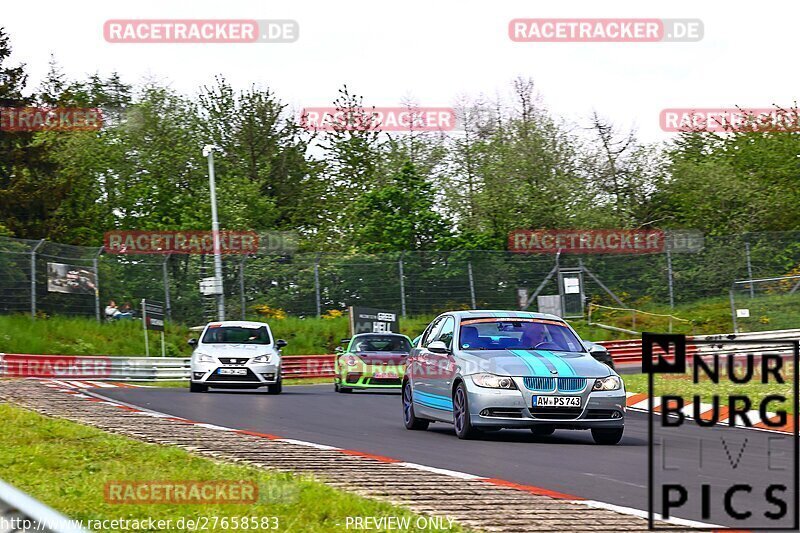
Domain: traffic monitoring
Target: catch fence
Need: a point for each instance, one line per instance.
(42, 277)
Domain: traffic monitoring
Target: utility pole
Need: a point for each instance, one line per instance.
(208, 151)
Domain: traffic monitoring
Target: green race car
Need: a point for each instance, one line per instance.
(371, 361)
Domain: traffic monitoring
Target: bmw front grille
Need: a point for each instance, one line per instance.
(571, 384)
(540, 384)
(549, 384)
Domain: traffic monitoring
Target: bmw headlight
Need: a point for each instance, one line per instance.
(260, 359)
(204, 358)
(609, 383)
(491, 381)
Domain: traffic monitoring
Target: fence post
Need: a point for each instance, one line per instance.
(471, 285)
(402, 287)
(669, 275)
(749, 267)
(733, 311)
(165, 273)
(97, 284)
(316, 286)
(241, 286)
(33, 278)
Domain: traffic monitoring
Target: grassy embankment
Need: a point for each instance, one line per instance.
(81, 336)
(67, 465)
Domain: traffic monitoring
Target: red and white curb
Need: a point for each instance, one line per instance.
(538, 491)
(639, 402)
(86, 384)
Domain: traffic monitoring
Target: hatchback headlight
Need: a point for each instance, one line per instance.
(260, 359)
(491, 381)
(609, 383)
(204, 358)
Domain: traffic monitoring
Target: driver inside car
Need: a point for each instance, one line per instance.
(533, 335)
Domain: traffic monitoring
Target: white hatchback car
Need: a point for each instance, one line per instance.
(236, 355)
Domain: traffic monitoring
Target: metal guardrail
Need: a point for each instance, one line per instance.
(95, 367)
(294, 366)
(19, 513)
(100, 368)
(753, 338)
(630, 351)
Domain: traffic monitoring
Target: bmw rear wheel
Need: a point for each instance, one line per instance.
(461, 418)
(409, 418)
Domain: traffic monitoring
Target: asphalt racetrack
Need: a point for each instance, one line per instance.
(567, 462)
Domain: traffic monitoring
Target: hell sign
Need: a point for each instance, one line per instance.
(368, 320)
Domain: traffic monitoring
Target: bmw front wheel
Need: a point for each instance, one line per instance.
(461, 418)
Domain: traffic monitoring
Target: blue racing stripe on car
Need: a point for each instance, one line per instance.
(433, 400)
(534, 364)
(562, 366)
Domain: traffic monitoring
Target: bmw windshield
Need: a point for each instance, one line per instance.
(517, 334)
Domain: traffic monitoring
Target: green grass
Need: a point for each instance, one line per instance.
(81, 336)
(307, 336)
(67, 465)
(681, 385)
(710, 315)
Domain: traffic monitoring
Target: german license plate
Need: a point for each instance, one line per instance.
(386, 375)
(556, 401)
(232, 371)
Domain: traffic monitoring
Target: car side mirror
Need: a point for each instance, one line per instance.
(280, 343)
(438, 347)
(192, 343)
(338, 349)
(592, 347)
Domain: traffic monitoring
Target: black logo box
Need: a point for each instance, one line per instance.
(675, 345)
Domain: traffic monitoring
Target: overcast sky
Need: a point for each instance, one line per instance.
(437, 50)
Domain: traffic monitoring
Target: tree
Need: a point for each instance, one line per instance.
(398, 216)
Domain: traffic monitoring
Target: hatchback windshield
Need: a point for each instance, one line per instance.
(382, 343)
(236, 335)
(518, 334)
